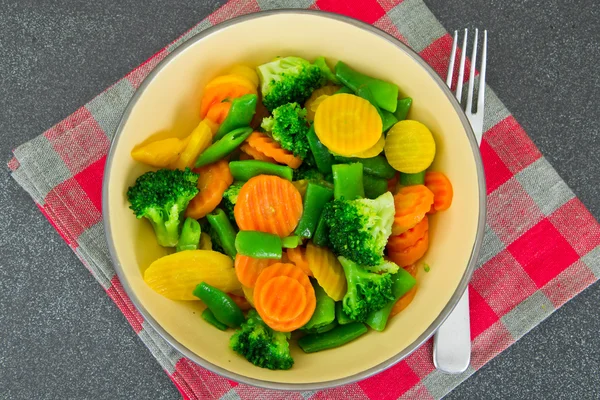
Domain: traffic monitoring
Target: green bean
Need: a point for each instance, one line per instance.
(222, 306)
(224, 230)
(258, 244)
(315, 199)
(209, 317)
(333, 338)
(244, 170)
(348, 181)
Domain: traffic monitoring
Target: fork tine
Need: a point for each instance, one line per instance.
(469, 107)
(452, 59)
(461, 70)
(481, 94)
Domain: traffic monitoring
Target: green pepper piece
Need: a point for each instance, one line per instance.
(325, 70)
(258, 244)
(240, 114)
(412, 179)
(374, 187)
(340, 315)
(223, 147)
(209, 317)
(315, 199)
(324, 313)
(244, 170)
(344, 89)
(190, 235)
(348, 181)
(377, 166)
(222, 306)
(323, 158)
(334, 338)
(321, 233)
(291, 242)
(384, 93)
(322, 329)
(402, 282)
(224, 230)
(388, 120)
(402, 108)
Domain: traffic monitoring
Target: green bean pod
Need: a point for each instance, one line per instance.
(224, 146)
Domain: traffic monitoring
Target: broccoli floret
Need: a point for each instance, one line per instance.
(385, 267)
(261, 345)
(288, 80)
(367, 291)
(162, 198)
(359, 229)
(230, 198)
(288, 127)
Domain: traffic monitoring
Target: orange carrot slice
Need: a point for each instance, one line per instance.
(440, 186)
(347, 124)
(247, 269)
(213, 181)
(412, 203)
(241, 301)
(218, 112)
(405, 300)
(408, 238)
(255, 154)
(216, 94)
(284, 297)
(410, 254)
(269, 204)
(270, 148)
(298, 257)
(392, 184)
(244, 156)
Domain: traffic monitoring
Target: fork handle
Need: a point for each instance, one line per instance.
(452, 341)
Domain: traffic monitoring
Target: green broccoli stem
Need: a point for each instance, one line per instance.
(402, 282)
(333, 338)
(384, 93)
(348, 181)
(190, 235)
(224, 230)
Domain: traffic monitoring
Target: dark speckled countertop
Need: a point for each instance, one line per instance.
(61, 336)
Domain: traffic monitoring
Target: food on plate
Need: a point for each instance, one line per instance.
(298, 208)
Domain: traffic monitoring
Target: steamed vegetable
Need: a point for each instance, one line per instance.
(162, 197)
(190, 235)
(288, 127)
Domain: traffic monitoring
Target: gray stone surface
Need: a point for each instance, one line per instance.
(62, 337)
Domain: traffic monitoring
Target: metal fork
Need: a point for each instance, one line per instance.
(452, 341)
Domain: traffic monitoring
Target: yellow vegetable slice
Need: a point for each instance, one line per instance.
(232, 79)
(248, 294)
(316, 98)
(199, 140)
(327, 270)
(409, 147)
(347, 124)
(176, 276)
(301, 185)
(159, 153)
(373, 151)
(205, 242)
(246, 72)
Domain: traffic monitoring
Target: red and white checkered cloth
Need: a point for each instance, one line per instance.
(541, 246)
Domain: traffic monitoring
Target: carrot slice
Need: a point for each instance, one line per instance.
(408, 238)
(213, 181)
(412, 203)
(347, 124)
(284, 304)
(392, 184)
(440, 186)
(241, 301)
(412, 253)
(231, 79)
(244, 156)
(216, 94)
(316, 98)
(218, 112)
(255, 154)
(405, 300)
(298, 257)
(270, 148)
(248, 294)
(327, 270)
(247, 269)
(269, 204)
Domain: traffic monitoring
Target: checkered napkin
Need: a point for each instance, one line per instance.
(541, 244)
